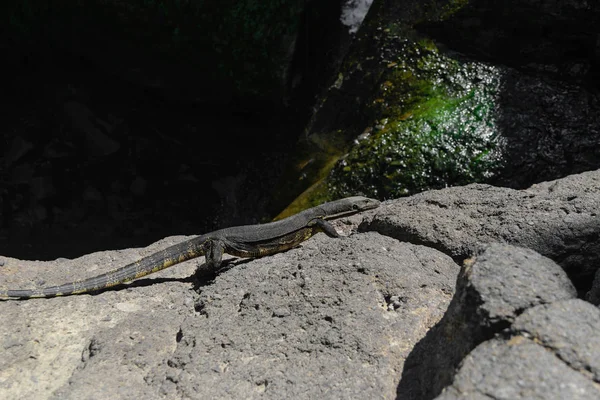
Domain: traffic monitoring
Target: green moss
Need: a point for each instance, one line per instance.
(434, 126)
(311, 197)
(451, 8)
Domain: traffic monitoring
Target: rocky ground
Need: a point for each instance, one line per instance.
(467, 292)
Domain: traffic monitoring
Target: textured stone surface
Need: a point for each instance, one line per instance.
(345, 318)
(517, 369)
(506, 280)
(89, 346)
(334, 318)
(491, 292)
(357, 317)
(570, 329)
(550, 352)
(559, 219)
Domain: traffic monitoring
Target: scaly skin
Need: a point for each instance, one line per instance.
(242, 241)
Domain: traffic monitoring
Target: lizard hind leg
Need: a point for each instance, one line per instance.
(213, 258)
(213, 255)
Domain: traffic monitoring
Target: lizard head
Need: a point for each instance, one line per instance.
(348, 206)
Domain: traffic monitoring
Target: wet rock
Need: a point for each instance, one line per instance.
(556, 37)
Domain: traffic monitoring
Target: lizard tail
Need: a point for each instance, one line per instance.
(163, 259)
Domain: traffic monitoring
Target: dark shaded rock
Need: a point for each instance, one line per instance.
(551, 37)
(550, 128)
(517, 369)
(559, 219)
(593, 296)
(491, 293)
(19, 147)
(89, 129)
(206, 52)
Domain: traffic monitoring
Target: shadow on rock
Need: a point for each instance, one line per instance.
(491, 292)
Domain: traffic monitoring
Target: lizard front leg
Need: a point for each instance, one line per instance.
(326, 227)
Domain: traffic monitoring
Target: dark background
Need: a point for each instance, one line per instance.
(108, 144)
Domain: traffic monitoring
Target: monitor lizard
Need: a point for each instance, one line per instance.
(248, 241)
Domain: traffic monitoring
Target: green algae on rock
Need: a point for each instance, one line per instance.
(434, 126)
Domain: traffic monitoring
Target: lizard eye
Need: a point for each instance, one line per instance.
(355, 206)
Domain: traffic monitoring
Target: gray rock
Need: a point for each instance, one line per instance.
(361, 316)
(517, 369)
(333, 318)
(559, 219)
(89, 347)
(570, 329)
(550, 352)
(505, 280)
(491, 292)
